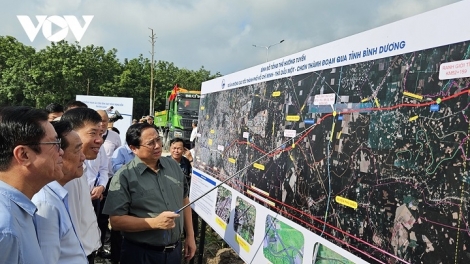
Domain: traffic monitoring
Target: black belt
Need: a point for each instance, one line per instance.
(167, 248)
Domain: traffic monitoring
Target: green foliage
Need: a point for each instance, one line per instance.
(63, 70)
(15, 64)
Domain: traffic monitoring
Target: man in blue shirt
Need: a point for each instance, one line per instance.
(56, 234)
(30, 154)
(121, 156)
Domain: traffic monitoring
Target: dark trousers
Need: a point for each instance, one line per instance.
(116, 242)
(195, 224)
(134, 254)
(115, 238)
(96, 206)
(103, 218)
(91, 258)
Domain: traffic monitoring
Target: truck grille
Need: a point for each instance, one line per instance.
(186, 134)
(186, 122)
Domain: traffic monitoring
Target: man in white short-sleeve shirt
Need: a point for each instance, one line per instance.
(87, 123)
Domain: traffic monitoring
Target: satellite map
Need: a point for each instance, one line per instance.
(282, 243)
(224, 198)
(244, 220)
(371, 156)
(324, 255)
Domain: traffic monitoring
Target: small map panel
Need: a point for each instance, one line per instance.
(282, 243)
(324, 255)
(222, 206)
(244, 220)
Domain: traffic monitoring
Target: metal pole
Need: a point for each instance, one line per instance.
(152, 40)
(202, 241)
(267, 48)
(267, 52)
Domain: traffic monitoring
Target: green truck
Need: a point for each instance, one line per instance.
(181, 109)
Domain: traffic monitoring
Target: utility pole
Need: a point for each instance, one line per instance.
(152, 65)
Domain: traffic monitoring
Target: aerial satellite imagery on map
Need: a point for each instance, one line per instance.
(372, 156)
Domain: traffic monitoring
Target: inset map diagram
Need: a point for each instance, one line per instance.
(223, 203)
(282, 243)
(387, 138)
(324, 255)
(244, 220)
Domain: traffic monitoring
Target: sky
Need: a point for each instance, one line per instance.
(216, 34)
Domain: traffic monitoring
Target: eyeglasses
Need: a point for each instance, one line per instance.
(153, 143)
(56, 143)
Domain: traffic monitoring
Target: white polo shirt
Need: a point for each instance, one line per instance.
(98, 165)
(82, 213)
(112, 142)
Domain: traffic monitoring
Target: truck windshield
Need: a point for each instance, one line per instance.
(188, 104)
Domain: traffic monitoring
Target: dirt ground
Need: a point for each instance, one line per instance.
(216, 251)
(225, 256)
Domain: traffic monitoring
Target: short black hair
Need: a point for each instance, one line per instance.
(175, 140)
(115, 130)
(19, 125)
(62, 128)
(78, 117)
(134, 132)
(195, 122)
(54, 108)
(75, 104)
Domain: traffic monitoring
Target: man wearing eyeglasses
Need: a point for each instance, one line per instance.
(56, 234)
(30, 154)
(142, 199)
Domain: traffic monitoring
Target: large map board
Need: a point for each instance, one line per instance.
(354, 151)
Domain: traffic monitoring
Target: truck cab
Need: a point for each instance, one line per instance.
(177, 118)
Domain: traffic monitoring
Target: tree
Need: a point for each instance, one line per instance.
(165, 78)
(192, 80)
(15, 63)
(63, 70)
(101, 70)
(167, 75)
(134, 82)
(55, 73)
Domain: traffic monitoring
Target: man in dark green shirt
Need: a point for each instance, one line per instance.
(176, 152)
(142, 200)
